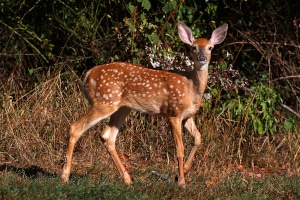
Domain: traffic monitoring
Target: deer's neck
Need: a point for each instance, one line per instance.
(199, 78)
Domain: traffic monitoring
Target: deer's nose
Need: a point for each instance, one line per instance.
(201, 58)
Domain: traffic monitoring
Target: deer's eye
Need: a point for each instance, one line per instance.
(194, 48)
(210, 48)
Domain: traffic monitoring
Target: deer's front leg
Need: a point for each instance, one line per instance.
(191, 127)
(176, 131)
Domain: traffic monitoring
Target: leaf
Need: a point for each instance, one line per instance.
(146, 4)
(131, 8)
(131, 28)
(214, 92)
(30, 71)
(153, 38)
(223, 65)
(264, 106)
(169, 6)
(258, 126)
(289, 125)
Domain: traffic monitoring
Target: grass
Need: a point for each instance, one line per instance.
(16, 185)
(230, 164)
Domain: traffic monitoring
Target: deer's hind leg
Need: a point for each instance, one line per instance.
(109, 136)
(77, 129)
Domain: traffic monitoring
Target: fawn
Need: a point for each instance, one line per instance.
(114, 89)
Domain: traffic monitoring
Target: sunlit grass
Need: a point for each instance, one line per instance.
(17, 186)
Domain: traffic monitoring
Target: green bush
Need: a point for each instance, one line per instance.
(255, 111)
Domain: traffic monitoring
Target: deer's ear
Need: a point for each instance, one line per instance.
(219, 34)
(185, 33)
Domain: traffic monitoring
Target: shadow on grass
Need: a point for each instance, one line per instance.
(35, 172)
(32, 172)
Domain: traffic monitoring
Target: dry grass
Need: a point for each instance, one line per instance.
(35, 133)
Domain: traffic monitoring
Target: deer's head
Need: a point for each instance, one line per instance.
(201, 47)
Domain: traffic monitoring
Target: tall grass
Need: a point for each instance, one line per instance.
(35, 134)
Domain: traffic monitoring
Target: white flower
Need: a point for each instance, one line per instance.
(154, 64)
(188, 62)
(170, 59)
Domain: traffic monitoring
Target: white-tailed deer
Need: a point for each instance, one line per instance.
(114, 89)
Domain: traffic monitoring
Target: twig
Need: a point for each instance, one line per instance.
(162, 176)
(269, 56)
(253, 43)
(169, 16)
(25, 39)
(263, 43)
(133, 32)
(286, 77)
(33, 7)
(296, 154)
(239, 51)
(291, 110)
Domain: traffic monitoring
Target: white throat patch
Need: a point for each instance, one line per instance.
(205, 66)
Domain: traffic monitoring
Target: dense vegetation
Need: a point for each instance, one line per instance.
(38, 38)
(251, 112)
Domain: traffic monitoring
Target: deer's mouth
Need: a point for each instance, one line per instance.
(203, 62)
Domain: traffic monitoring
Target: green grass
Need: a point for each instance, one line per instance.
(233, 186)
